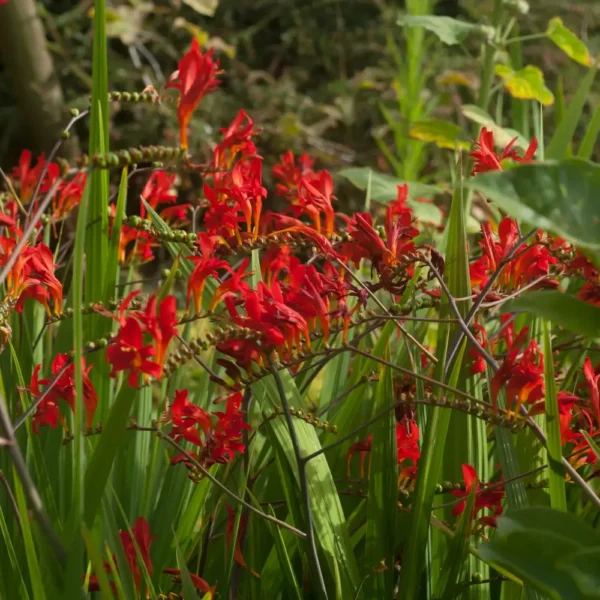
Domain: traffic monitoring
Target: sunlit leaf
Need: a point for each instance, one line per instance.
(568, 42)
(502, 135)
(558, 196)
(203, 7)
(450, 31)
(526, 84)
(443, 133)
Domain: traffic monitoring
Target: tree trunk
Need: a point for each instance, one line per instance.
(37, 91)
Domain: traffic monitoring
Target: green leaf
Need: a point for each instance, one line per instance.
(558, 147)
(450, 31)
(568, 42)
(443, 133)
(525, 84)
(203, 7)
(112, 269)
(284, 559)
(539, 546)
(188, 587)
(35, 575)
(558, 196)
(384, 188)
(591, 136)
(383, 492)
(502, 135)
(562, 309)
(558, 497)
(100, 465)
(458, 552)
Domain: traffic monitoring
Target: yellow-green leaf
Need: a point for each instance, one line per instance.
(526, 84)
(203, 7)
(568, 42)
(442, 133)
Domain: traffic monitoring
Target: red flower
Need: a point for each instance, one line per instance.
(48, 412)
(528, 262)
(289, 174)
(523, 375)
(195, 78)
(158, 190)
(129, 353)
(491, 499)
(199, 583)
(141, 535)
(592, 379)
(236, 139)
(186, 417)
(206, 266)
(160, 322)
(486, 159)
(28, 177)
(68, 196)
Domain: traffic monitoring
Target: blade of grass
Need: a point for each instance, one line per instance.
(383, 492)
(563, 136)
(112, 265)
(556, 476)
(591, 136)
(100, 465)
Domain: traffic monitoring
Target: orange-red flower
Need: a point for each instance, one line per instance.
(485, 498)
(237, 138)
(485, 157)
(48, 411)
(195, 78)
(27, 177)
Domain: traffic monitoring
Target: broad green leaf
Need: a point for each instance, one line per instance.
(559, 145)
(538, 545)
(384, 188)
(450, 31)
(443, 133)
(556, 476)
(558, 196)
(568, 42)
(383, 492)
(562, 309)
(203, 7)
(525, 84)
(502, 135)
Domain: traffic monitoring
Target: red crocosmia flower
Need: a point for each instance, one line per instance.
(363, 447)
(566, 403)
(399, 205)
(187, 417)
(277, 260)
(528, 263)
(288, 174)
(48, 411)
(158, 189)
(195, 78)
(315, 193)
(28, 176)
(237, 138)
(592, 379)
(176, 217)
(200, 584)
(135, 247)
(232, 287)
(228, 431)
(385, 256)
(485, 498)
(407, 442)
(206, 266)
(523, 375)
(590, 292)
(68, 196)
(478, 364)
(247, 192)
(290, 224)
(143, 539)
(32, 275)
(160, 322)
(486, 159)
(307, 294)
(129, 353)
